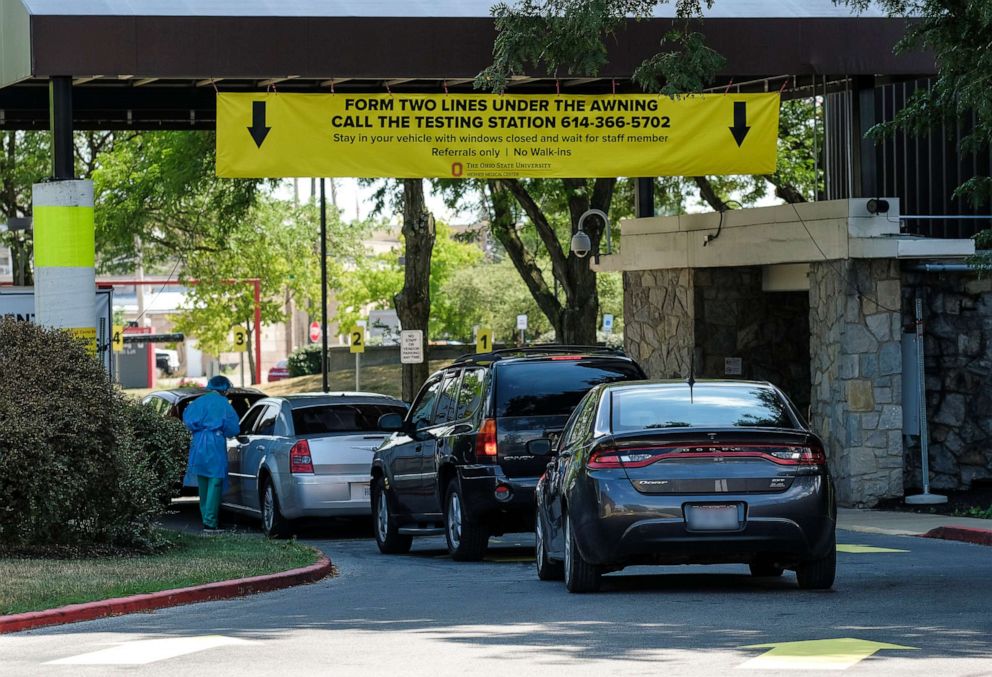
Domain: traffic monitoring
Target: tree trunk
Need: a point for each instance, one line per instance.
(413, 303)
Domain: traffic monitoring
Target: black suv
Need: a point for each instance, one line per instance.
(460, 463)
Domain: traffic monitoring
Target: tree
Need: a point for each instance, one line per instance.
(375, 283)
(161, 189)
(24, 160)
(570, 37)
(276, 244)
(413, 302)
(959, 34)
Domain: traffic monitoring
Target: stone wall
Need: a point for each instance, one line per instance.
(856, 367)
(658, 320)
(958, 362)
(769, 331)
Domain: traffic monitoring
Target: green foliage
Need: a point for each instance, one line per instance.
(24, 160)
(958, 34)
(491, 294)
(162, 188)
(304, 361)
(78, 464)
(161, 443)
(373, 283)
(569, 37)
(976, 511)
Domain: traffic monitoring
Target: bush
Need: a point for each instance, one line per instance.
(305, 361)
(79, 463)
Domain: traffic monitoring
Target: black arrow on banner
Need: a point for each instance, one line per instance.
(740, 128)
(258, 130)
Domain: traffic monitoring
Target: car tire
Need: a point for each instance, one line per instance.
(274, 525)
(387, 537)
(818, 574)
(467, 539)
(546, 569)
(580, 575)
(765, 570)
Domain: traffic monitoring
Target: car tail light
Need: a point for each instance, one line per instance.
(641, 457)
(485, 441)
(625, 458)
(300, 460)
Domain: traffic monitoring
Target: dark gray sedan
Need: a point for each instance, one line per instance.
(673, 473)
(306, 456)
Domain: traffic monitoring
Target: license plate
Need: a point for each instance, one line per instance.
(713, 517)
(360, 491)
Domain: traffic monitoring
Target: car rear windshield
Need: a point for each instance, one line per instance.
(554, 387)
(341, 418)
(705, 406)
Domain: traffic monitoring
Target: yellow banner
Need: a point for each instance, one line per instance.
(494, 136)
(87, 335)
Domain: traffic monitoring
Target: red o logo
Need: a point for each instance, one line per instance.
(456, 168)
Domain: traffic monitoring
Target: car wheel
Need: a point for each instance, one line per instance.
(389, 540)
(765, 570)
(274, 525)
(818, 574)
(467, 539)
(580, 576)
(546, 569)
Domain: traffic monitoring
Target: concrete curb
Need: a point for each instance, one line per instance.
(238, 587)
(964, 534)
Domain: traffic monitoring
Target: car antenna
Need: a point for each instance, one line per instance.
(692, 373)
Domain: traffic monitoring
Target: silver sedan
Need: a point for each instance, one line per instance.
(306, 456)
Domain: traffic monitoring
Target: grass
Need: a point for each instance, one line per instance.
(975, 511)
(34, 584)
(384, 379)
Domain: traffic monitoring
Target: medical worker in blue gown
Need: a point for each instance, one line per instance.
(211, 419)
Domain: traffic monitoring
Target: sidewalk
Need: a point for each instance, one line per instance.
(893, 523)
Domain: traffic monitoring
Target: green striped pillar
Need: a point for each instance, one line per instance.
(64, 253)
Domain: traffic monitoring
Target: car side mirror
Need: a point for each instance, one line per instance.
(391, 423)
(242, 439)
(539, 447)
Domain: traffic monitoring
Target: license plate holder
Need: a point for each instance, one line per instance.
(714, 516)
(360, 491)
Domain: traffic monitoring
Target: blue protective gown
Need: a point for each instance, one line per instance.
(211, 419)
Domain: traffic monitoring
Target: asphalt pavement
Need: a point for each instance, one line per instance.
(901, 606)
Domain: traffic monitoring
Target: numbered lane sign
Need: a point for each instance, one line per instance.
(484, 340)
(240, 339)
(357, 339)
(117, 339)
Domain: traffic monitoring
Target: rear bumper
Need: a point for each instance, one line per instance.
(515, 514)
(628, 527)
(325, 496)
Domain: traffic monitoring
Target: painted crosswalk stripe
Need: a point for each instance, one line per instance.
(145, 651)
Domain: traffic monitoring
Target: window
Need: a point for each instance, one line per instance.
(267, 421)
(424, 406)
(470, 393)
(554, 388)
(708, 406)
(341, 418)
(582, 419)
(248, 422)
(446, 402)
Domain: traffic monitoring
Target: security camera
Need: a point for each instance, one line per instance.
(877, 206)
(581, 244)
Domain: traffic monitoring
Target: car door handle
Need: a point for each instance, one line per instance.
(418, 448)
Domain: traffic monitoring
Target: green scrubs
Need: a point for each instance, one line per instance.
(211, 489)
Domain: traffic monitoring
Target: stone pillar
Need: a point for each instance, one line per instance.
(856, 373)
(659, 320)
(64, 253)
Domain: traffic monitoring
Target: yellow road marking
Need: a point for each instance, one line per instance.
(864, 549)
(818, 654)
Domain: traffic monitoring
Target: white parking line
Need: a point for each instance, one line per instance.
(145, 651)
